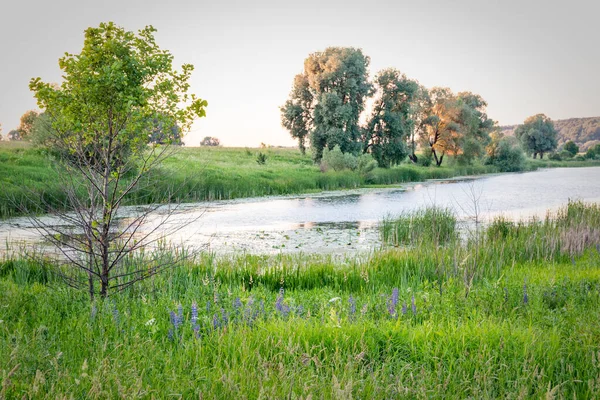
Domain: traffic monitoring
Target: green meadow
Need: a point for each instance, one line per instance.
(30, 182)
(509, 310)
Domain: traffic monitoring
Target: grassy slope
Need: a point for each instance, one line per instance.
(529, 327)
(199, 174)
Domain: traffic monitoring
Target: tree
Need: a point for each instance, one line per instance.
(327, 99)
(537, 135)
(419, 109)
(390, 123)
(475, 127)
(572, 148)
(14, 134)
(210, 141)
(26, 126)
(102, 115)
(441, 131)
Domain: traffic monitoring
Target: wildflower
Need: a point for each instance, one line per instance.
(208, 306)
(403, 308)
(116, 316)
(572, 260)
(335, 299)
(280, 306)
(174, 319)
(194, 314)
(364, 309)
(525, 297)
(413, 305)
(215, 322)
(352, 303)
(150, 322)
(224, 316)
(237, 304)
(395, 296)
(94, 312)
(179, 315)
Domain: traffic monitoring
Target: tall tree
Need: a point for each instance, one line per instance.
(442, 130)
(421, 104)
(390, 123)
(102, 117)
(537, 135)
(327, 99)
(475, 127)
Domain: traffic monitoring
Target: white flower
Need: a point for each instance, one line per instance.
(335, 299)
(150, 322)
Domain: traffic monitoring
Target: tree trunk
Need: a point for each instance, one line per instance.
(534, 156)
(541, 155)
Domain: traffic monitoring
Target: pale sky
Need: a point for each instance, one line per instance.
(523, 57)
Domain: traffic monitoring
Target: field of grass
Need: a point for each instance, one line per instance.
(28, 176)
(507, 312)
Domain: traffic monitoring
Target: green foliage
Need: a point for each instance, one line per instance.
(537, 135)
(506, 154)
(326, 100)
(390, 123)
(338, 161)
(571, 147)
(261, 158)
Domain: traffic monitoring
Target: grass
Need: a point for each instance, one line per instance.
(29, 177)
(407, 322)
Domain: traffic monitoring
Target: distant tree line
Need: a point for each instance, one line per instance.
(326, 111)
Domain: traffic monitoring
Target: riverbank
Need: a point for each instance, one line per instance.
(29, 179)
(512, 312)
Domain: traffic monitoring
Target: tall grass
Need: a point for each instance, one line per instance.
(394, 324)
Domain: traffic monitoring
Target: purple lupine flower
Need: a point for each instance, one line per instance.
(179, 315)
(525, 296)
(413, 305)
(116, 316)
(391, 308)
(280, 306)
(395, 297)
(208, 306)
(404, 308)
(171, 334)
(352, 303)
(94, 312)
(215, 321)
(237, 304)
(224, 316)
(174, 320)
(299, 310)
(194, 313)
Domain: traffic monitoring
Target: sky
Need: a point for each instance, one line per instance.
(523, 57)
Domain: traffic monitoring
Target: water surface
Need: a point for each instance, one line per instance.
(346, 221)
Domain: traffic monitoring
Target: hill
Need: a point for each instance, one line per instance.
(583, 131)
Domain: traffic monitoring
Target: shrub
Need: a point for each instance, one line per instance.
(261, 158)
(338, 161)
(508, 156)
(555, 157)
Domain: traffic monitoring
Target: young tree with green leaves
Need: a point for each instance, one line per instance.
(113, 94)
(537, 135)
